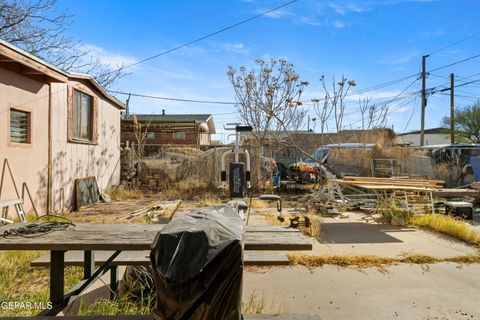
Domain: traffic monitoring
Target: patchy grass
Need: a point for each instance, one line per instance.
(372, 261)
(122, 193)
(208, 200)
(447, 225)
(313, 231)
(262, 204)
(116, 307)
(19, 282)
(189, 188)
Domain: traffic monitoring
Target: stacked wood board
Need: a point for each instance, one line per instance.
(390, 183)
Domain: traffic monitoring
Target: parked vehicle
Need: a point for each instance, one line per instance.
(457, 154)
(321, 154)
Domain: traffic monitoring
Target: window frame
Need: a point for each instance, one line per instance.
(175, 136)
(93, 140)
(29, 127)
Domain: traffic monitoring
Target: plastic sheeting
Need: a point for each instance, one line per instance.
(197, 264)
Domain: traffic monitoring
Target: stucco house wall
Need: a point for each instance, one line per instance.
(72, 160)
(430, 139)
(28, 162)
(50, 161)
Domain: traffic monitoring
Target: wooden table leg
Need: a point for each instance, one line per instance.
(57, 277)
(113, 281)
(88, 263)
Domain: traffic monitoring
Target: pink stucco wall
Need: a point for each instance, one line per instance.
(70, 161)
(73, 160)
(28, 161)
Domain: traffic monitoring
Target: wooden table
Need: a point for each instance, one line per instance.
(118, 238)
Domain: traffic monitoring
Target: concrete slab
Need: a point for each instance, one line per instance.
(359, 235)
(443, 291)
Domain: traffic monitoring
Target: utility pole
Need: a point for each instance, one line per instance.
(308, 125)
(424, 101)
(452, 102)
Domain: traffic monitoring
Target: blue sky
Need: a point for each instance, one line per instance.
(372, 42)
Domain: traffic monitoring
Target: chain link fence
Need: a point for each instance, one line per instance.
(159, 167)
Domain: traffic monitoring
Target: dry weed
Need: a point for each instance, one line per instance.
(372, 261)
(257, 304)
(123, 193)
(447, 225)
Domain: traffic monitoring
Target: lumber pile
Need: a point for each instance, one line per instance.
(390, 183)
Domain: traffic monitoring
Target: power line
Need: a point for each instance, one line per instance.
(208, 35)
(172, 99)
(455, 43)
(371, 88)
(454, 63)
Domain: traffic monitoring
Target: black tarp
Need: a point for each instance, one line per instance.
(197, 264)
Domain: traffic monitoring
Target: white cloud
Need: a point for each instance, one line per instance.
(436, 33)
(310, 21)
(236, 48)
(107, 58)
(339, 24)
(277, 14)
(345, 8)
(398, 58)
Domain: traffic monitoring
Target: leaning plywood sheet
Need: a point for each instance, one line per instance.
(86, 191)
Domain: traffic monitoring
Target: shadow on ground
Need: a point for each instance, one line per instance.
(359, 232)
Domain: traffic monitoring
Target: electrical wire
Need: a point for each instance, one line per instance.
(206, 36)
(456, 62)
(171, 99)
(455, 43)
(37, 229)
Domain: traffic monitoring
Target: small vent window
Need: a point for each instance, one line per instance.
(179, 136)
(19, 126)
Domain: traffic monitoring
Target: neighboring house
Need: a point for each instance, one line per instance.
(433, 136)
(189, 129)
(55, 127)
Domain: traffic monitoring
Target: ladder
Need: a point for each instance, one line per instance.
(17, 204)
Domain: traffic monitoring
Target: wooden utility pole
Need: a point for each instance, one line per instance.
(452, 102)
(424, 101)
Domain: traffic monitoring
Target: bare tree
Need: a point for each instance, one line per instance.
(373, 116)
(140, 131)
(268, 97)
(332, 104)
(37, 27)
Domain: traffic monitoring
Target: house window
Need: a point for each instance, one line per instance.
(82, 116)
(179, 136)
(19, 126)
(150, 135)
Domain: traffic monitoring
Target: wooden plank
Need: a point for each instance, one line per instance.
(276, 241)
(393, 187)
(393, 179)
(135, 237)
(456, 193)
(271, 229)
(141, 258)
(386, 183)
(475, 185)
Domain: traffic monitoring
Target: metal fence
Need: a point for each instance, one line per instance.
(155, 166)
